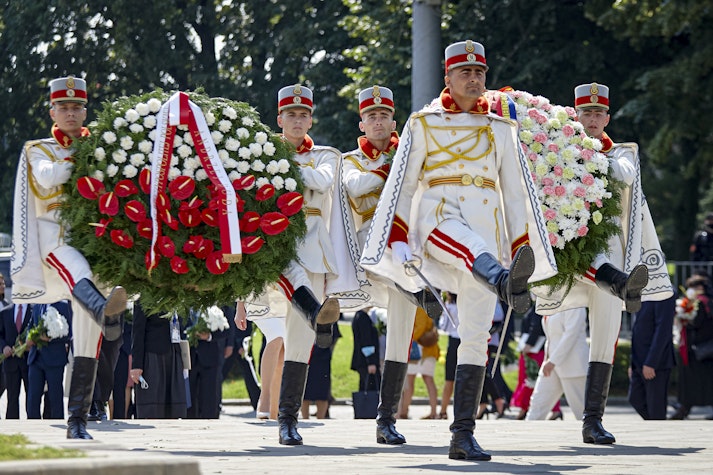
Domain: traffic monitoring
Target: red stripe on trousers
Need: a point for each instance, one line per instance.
(456, 249)
(62, 270)
(286, 287)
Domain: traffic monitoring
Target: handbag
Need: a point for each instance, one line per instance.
(365, 401)
(703, 351)
(429, 337)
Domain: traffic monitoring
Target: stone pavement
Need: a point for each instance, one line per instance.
(238, 443)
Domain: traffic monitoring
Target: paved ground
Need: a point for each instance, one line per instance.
(238, 443)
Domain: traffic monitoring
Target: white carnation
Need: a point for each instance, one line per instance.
(130, 171)
(174, 160)
(290, 184)
(109, 137)
(98, 174)
(278, 182)
(142, 109)
(154, 105)
(126, 143)
(145, 146)
(137, 159)
(248, 122)
(261, 138)
(258, 166)
(201, 175)
(230, 113)
(152, 135)
(232, 144)
(99, 153)
(150, 121)
(119, 156)
(210, 119)
(223, 155)
(284, 165)
(131, 115)
(184, 151)
(112, 170)
(243, 166)
(262, 181)
(173, 173)
(242, 133)
(191, 163)
(216, 136)
(234, 175)
(224, 125)
(119, 122)
(177, 141)
(136, 128)
(269, 149)
(244, 153)
(272, 167)
(256, 149)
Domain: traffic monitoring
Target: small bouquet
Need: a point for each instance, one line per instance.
(687, 306)
(209, 321)
(51, 325)
(532, 369)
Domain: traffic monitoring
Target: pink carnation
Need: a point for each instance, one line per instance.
(532, 156)
(557, 170)
(533, 113)
(546, 181)
(599, 203)
(553, 239)
(550, 214)
(548, 190)
(580, 192)
(553, 148)
(568, 130)
(560, 190)
(534, 101)
(582, 231)
(570, 111)
(587, 205)
(547, 107)
(588, 179)
(587, 154)
(541, 119)
(540, 137)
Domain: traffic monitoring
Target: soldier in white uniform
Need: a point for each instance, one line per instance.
(363, 174)
(460, 193)
(634, 269)
(302, 283)
(44, 268)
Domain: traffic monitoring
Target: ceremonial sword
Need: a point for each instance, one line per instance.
(249, 358)
(500, 343)
(411, 268)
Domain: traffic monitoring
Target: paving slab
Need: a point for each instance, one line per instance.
(238, 443)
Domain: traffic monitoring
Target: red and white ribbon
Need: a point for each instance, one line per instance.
(179, 110)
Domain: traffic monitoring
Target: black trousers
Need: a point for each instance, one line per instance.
(650, 397)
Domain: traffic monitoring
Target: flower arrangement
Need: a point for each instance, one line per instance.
(108, 208)
(51, 325)
(211, 320)
(687, 306)
(579, 198)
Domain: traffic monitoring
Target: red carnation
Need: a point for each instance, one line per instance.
(125, 188)
(190, 218)
(145, 180)
(251, 244)
(250, 222)
(215, 263)
(90, 188)
(244, 182)
(265, 192)
(109, 204)
(102, 226)
(120, 238)
(135, 211)
(290, 203)
(145, 228)
(273, 223)
(181, 187)
(178, 265)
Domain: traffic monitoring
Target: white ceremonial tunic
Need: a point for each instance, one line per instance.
(452, 219)
(315, 256)
(44, 268)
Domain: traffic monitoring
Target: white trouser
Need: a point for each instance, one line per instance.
(401, 315)
(300, 335)
(549, 389)
(604, 325)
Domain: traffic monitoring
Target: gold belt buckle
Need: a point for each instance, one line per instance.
(478, 181)
(466, 180)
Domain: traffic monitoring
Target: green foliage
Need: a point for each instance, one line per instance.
(15, 447)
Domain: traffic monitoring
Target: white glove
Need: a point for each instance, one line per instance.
(63, 170)
(400, 252)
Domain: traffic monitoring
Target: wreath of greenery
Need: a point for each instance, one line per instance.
(107, 208)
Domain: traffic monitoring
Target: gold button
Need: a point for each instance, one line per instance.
(461, 198)
(478, 181)
(485, 201)
(448, 118)
(458, 150)
(485, 169)
(466, 180)
(460, 165)
(453, 132)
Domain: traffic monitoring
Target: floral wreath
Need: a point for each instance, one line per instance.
(580, 200)
(109, 208)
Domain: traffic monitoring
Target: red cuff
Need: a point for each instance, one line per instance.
(399, 231)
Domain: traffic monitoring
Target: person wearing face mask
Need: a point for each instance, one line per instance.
(702, 245)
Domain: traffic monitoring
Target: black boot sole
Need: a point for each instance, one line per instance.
(638, 278)
(521, 269)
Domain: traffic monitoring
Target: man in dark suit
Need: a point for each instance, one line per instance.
(652, 358)
(47, 364)
(104, 382)
(365, 359)
(206, 371)
(14, 319)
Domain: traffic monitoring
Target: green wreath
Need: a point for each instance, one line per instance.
(108, 210)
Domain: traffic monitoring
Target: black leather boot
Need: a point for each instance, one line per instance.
(626, 287)
(424, 299)
(292, 389)
(466, 398)
(81, 390)
(509, 285)
(595, 400)
(320, 317)
(392, 383)
(105, 311)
